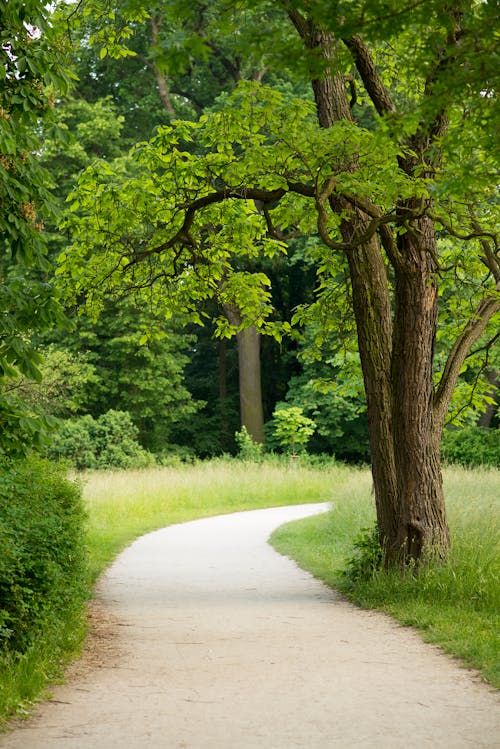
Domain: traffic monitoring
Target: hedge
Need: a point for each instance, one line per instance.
(42, 559)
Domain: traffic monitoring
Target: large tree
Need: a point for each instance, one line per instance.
(33, 71)
(402, 204)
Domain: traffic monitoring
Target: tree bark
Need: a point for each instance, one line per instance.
(396, 348)
(417, 431)
(250, 381)
(252, 414)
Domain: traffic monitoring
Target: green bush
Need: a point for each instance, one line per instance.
(107, 442)
(248, 450)
(366, 558)
(43, 562)
(472, 446)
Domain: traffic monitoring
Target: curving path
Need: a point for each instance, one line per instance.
(220, 643)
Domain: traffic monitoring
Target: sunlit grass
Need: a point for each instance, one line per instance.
(125, 504)
(456, 605)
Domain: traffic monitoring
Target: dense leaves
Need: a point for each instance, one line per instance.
(32, 73)
(42, 565)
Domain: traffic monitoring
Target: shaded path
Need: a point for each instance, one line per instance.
(220, 643)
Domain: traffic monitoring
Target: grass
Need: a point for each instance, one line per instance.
(123, 505)
(455, 605)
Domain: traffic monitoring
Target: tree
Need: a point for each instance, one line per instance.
(404, 204)
(292, 429)
(32, 71)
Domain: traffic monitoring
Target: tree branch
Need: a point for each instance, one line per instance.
(367, 69)
(469, 335)
(183, 237)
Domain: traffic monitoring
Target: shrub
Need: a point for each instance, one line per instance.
(248, 449)
(472, 446)
(366, 558)
(291, 428)
(107, 442)
(42, 564)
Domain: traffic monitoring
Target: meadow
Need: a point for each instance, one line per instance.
(455, 605)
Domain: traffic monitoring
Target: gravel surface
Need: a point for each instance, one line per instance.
(205, 638)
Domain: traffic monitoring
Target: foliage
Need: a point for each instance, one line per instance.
(472, 446)
(64, 388)
(366, 558)
(33, 70)
(291, 428)
(248, 450)
(402, 194)
(110, 441)
(42, 564)
(273, 146)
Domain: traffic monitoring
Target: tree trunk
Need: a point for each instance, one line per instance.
(252, 414)
(161, 79)
(251, 408)
(396, 357)
(417, 430)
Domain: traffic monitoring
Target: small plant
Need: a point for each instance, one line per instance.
(248, 450)
(367, 557)
(291, 428)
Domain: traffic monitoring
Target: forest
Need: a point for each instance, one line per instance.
(235, 228)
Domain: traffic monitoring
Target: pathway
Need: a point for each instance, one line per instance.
(220, 643)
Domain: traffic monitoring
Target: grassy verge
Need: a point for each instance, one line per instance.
(455, 605)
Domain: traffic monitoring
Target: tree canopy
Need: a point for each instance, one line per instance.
(389, 171)
(355, 139)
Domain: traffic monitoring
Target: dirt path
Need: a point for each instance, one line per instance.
(214, 641)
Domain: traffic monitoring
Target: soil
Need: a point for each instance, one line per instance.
(203, 637)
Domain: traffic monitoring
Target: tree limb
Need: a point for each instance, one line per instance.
(469, 335)
(367, 69)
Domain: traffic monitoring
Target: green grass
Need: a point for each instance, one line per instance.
(123, 505)
(455, 605)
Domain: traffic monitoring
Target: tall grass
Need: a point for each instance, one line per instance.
(456, 604)
(125, 504)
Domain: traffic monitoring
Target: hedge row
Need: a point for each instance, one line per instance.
(42, 559)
